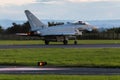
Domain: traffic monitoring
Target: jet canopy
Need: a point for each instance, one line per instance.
(81, 23)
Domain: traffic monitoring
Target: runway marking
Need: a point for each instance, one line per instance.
(31, 69)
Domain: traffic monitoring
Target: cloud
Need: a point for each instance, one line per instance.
(67, 9)
(49, 1)
(22, 2)
(45, 0)
(15, 2)
(90, 0)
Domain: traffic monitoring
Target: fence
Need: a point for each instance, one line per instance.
(15, 37)
(100, 36)
(88, 36)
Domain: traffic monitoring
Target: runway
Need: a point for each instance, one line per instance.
(60, 71)
(61, 46)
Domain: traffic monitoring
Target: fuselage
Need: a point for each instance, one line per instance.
(66, 29)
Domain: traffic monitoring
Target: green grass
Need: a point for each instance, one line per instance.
(57, 77)
(96, 42)
(17, 42)
(106, 57)
(20, 42)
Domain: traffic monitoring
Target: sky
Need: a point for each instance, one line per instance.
(61, 9)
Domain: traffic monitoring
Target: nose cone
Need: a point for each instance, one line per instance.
(89, 29)
(93, 27)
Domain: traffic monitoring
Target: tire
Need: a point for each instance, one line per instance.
(65, 42)
(46, 42)
(75, 42)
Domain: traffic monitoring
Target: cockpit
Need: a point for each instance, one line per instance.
(80, 23)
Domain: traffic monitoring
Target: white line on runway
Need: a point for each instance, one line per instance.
(30, 69)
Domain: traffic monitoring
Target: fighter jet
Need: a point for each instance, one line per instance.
(57, 33)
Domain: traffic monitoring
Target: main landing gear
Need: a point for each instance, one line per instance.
(46, 42)
(65, 42)
(75, 41)
(63, 39)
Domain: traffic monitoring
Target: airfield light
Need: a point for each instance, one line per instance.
(42, 63)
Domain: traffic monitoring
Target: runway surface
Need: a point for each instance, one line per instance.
(61, 46)
(62, 71)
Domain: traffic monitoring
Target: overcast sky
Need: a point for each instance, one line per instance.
(61, 9)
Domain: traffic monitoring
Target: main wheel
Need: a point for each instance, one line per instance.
(75, 42)
(65, 42)
(46, 42)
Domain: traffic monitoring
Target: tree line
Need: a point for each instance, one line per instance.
(16, 28)
(25, 28)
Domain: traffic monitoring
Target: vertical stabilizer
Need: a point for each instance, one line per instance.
(35, 23)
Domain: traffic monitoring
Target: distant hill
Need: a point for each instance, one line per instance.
(99, 23)
(8, 23)
(106, 23)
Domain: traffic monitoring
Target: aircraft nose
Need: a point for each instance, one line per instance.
(89, 29)
(94, 27)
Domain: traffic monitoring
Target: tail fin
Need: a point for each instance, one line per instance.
(35, 23)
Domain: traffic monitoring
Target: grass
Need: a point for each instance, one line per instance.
(105, 57)
(57, 77)
(18, 42)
